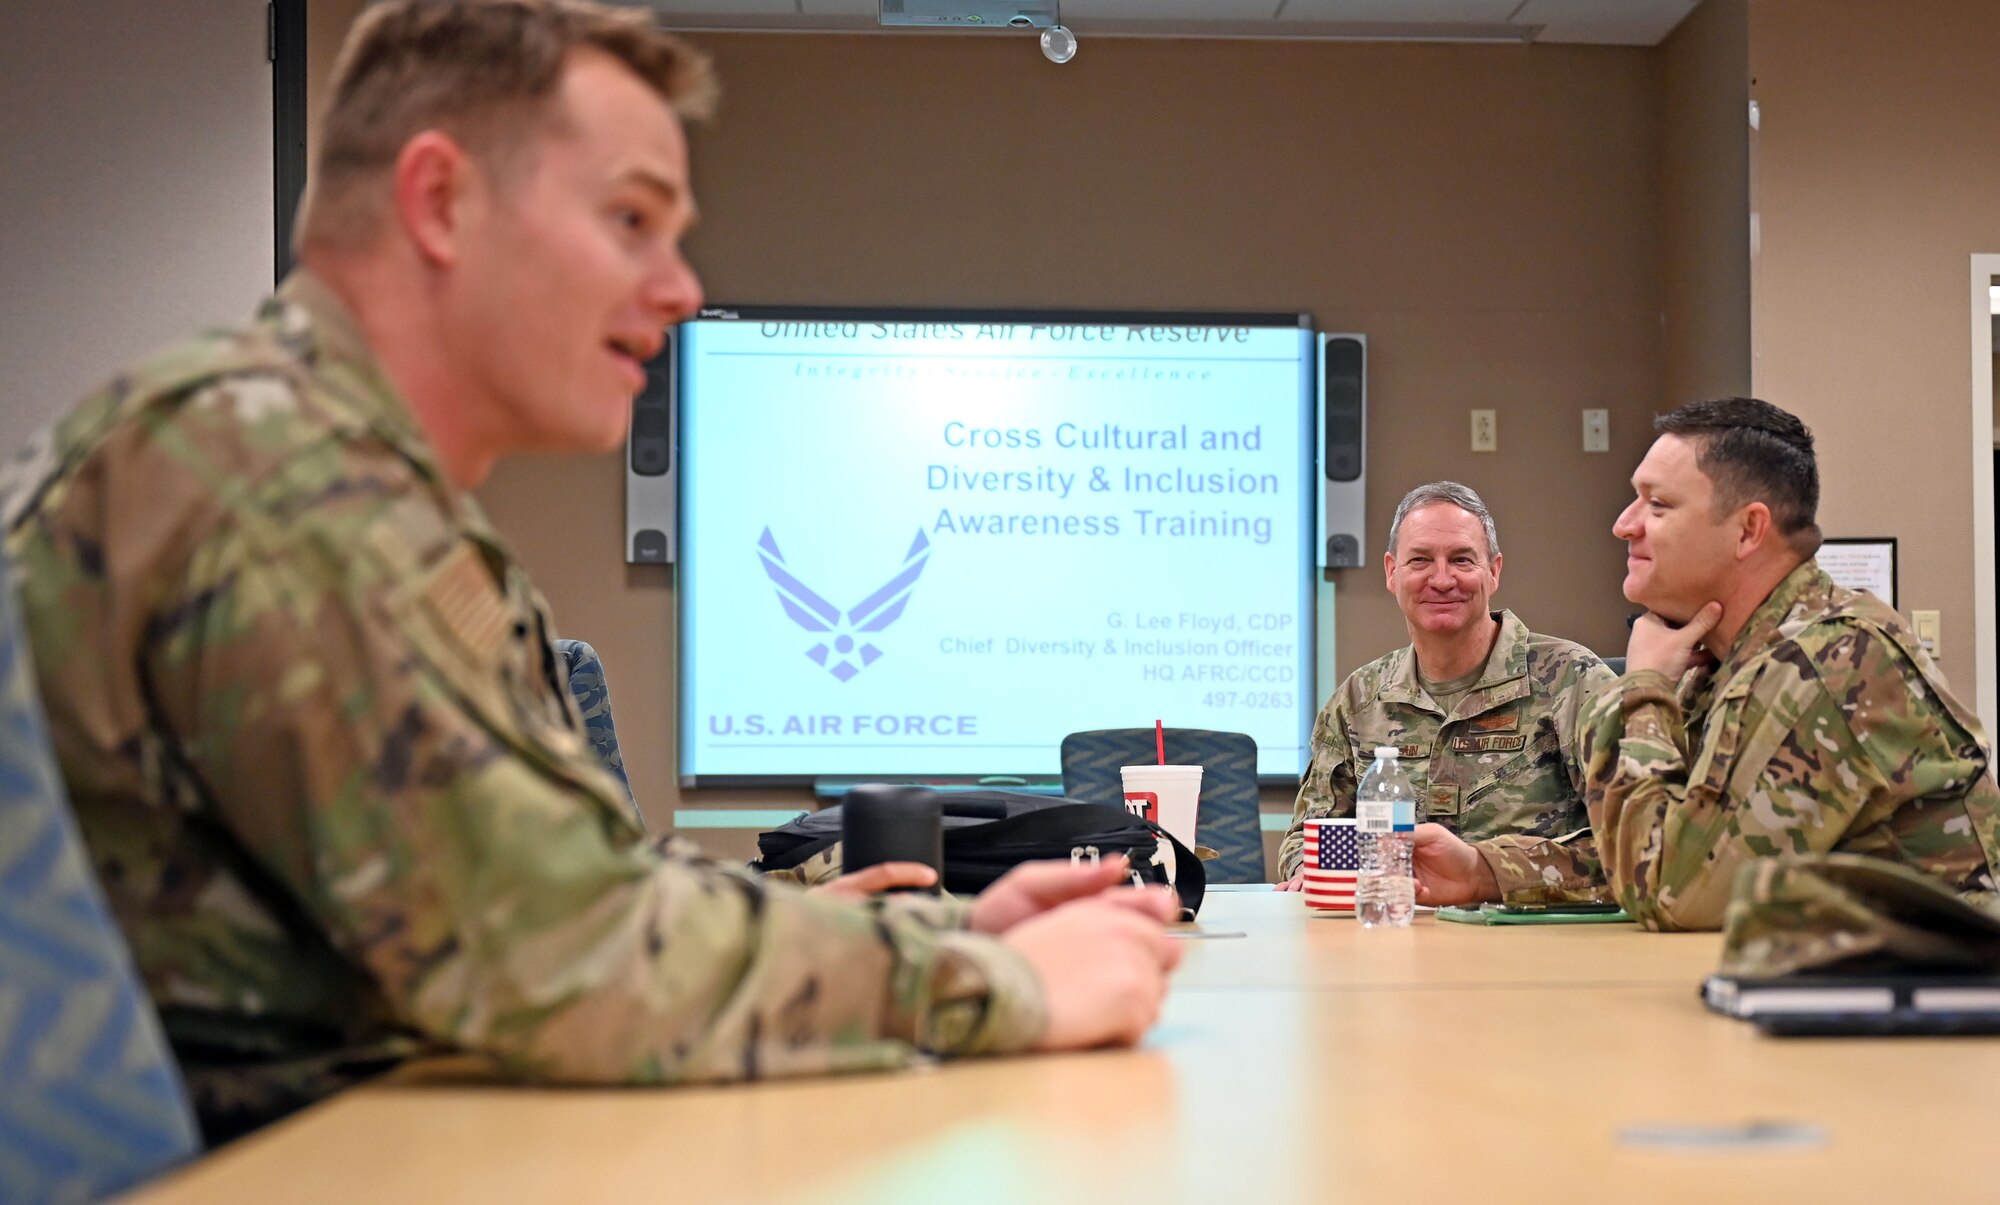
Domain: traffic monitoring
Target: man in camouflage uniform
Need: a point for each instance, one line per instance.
(1482, 711)
(305, 698)
(1764, 710)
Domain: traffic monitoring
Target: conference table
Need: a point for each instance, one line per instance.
(1305, 1058)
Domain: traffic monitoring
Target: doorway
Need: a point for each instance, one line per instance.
(1985, 315)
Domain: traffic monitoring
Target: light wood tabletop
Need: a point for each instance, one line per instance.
(1308, 1059)
(1287, 945)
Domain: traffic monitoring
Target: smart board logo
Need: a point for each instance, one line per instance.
(840, 654)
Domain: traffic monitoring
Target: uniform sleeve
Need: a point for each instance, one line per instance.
(1546, 870)
(1328, 789)
(1565, 869)
(1595, 681)
(347, 712)
(1777, 770)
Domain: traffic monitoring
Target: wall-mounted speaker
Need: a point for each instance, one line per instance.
(1343, 450)
(651, 463)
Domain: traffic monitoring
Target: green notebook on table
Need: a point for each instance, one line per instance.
(1535, 914)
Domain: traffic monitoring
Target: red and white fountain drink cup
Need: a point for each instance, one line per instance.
(1166, 795)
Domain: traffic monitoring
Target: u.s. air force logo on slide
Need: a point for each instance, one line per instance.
(841, 654)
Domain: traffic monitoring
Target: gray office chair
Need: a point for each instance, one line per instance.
(593, 698)
(1228, 821)
(91, 1102)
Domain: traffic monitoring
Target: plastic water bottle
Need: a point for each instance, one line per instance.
(1385, 812)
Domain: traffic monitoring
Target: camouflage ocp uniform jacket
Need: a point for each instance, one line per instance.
(1827, 728)
(306, 704)
(1504, 764)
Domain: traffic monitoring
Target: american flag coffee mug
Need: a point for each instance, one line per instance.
(1332, 861)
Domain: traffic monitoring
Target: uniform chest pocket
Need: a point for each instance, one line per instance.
(1414, 759)
(1721, 747)
(1523, 788)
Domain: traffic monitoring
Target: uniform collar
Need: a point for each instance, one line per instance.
(316, 324)
(1504, 679)
(1806, 585)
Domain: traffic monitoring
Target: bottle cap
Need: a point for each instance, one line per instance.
(1388, 751)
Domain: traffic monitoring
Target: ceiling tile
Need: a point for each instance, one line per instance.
(1618, 22)
(1401, 12)
(724, 8)
(1137, 12)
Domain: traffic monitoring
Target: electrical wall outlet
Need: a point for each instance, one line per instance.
(1597, 430)
(1929, 627)
(1485, 431)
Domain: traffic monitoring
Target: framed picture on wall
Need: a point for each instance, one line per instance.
(1862, 563)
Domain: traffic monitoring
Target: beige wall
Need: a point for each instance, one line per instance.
(327, 22)
(1705, 206)
(1878, 174)
(135, 187)
(1489, 216)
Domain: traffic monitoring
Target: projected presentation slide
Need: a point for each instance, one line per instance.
(938, 547)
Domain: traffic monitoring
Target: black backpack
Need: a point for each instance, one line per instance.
(988, 833)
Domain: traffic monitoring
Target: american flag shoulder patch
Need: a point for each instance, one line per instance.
(468, 602)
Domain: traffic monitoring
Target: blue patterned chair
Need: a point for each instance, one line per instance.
(593, 699)
(90, 1100)
(1228, 820)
